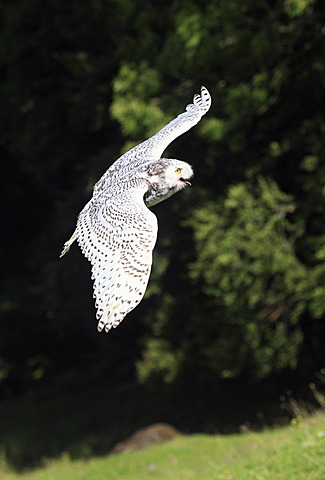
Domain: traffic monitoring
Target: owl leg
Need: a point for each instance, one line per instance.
(67, 245)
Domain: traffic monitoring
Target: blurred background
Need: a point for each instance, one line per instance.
(232, 326)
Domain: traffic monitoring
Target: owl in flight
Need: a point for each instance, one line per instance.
(116, 231)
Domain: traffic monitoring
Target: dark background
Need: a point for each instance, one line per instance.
(232, 326)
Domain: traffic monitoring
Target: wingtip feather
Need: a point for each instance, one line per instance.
(68, 243)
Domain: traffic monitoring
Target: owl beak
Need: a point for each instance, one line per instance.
(185, 181)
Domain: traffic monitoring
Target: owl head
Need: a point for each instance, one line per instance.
(166, 177)
(177, 174)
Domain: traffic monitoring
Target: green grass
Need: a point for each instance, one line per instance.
(295, 452)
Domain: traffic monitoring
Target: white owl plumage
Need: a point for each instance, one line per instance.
(116, 231)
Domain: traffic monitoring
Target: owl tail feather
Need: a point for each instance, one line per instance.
(67, 245)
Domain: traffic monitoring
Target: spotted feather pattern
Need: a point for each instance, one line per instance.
(117, 235)
(116, 231)
(154, 147)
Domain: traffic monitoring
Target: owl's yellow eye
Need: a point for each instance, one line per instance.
(178, 170)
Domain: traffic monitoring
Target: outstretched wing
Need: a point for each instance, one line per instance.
(153, 148)
(117, 235)
(156, 145)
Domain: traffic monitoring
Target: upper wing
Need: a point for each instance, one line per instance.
(153, 148)
(156, 145)
(117, 236)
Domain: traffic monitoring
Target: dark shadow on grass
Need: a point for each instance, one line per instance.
(92, 419)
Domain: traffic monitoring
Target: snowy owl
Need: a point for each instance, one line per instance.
(116, 231)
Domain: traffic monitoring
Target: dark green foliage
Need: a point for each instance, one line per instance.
(238, 279)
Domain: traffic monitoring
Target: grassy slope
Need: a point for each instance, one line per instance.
(295, 452)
